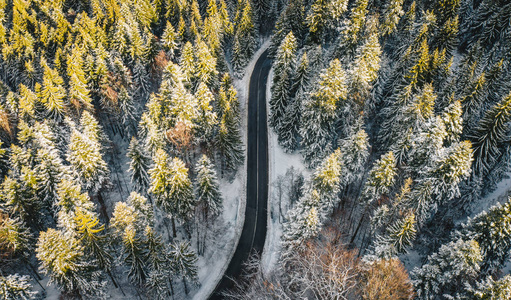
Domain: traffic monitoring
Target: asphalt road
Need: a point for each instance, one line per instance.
(253, 234)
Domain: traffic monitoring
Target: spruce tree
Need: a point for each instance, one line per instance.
(390, 17)
(62, 258)
(16, 286)
(207, 119)
(490, 135)
(184, 262)
(139, 165)
(283, 67)
(454, 265)
(319, 113)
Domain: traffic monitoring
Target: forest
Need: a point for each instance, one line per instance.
(122, 145)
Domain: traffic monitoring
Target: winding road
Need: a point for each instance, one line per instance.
(253, 234)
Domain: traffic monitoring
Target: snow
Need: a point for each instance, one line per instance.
(279, 162)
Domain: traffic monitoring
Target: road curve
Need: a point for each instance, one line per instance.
(253, 234)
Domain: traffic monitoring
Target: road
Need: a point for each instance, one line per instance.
(253, 234)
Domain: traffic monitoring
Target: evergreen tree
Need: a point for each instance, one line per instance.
(319, 113)
(207, 119)
(52, 93)
(391, 15)
(139, 164)
(206, 63)
(86, 159)
(283, 67)
(245, 36)
(490, 229)
(326, 181)
(15, 287)
(209, 198)
(490, 135)
(323, 16)
(381, 178)
(62, 258)
(92, 237)
(172, 187)
(14, 237)
(184, 262)
(491, 289)
(454, 265)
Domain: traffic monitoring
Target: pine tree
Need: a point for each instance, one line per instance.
(491, 289)
(52, 93)
(303, 222)
(143, 208)
(283, 67)
(391, 15)
(398, 237)
(62, 258)
(355, 151)
(490, 229)
(354, 25)
(92, 237)
(207, 119)
(134, 255)
(15, 287)
(381, 178)
(324, 15)
(184, 262)
(14, 237)
(169, 39)
(319, 113)
(245, 36)
(86, 159)
(209, 198)
(365, 71)
(139, 164)
(206, 62)
(326, 181)
(187, 63)
(454, 265)
(453, 121)
(489, 136)
(172, 187)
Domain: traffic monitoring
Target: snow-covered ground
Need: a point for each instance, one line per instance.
(279, 162)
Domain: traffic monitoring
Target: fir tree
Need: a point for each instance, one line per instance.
(184, 262)
(245, 36)
(319, 113)
(283, 67)
(490, 229)
(381, 177)
(52, 93)
(489, 136)
(454, 265)
(207, 119)
(324, 15)
(62, 258)
(139, 165)
(15, 287)
(391, 15)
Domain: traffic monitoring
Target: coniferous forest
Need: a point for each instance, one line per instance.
(123, 140)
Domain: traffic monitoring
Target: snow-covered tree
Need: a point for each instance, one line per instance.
(139, 165)
(282, 69)
(454, 265)
(13, 287)
(490, 229)
(63, 259)
(184, 262)
(320, 111)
